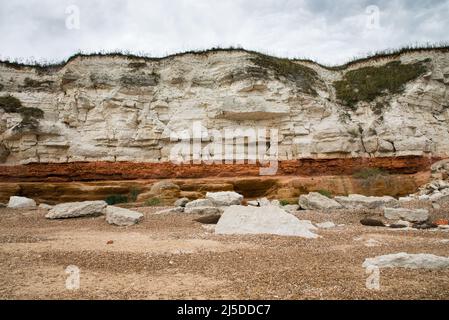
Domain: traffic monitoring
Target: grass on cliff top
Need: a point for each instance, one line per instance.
(368, 83)
(305, 77)
(47, 65)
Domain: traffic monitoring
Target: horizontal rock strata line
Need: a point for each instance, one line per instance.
(280, 187)
(89, 171)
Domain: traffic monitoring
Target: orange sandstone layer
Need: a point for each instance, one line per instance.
(287, 187)
(95, 171)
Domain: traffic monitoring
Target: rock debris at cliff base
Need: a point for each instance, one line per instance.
(172, 256)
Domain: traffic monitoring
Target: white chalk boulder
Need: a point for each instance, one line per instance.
(357, 201)
(21, 203)
(199, 203)
(262, 220)
(77, 209)
(121, 216)
(406, 260)
(316, 201)
(412, 215)
(226, 198)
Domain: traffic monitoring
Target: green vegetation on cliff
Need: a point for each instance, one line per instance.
(116, 199)
(368, 83)
(11, 104)
(305, 78)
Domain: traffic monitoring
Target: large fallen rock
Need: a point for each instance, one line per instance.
(406, 260)
(357, 201)
(16, 202)
(412, 215)
(226, 198)
(210, 219)
(262, 220)
(121, 216)
(199, 203)
(316, 201)
(203, 210)
(77, 209)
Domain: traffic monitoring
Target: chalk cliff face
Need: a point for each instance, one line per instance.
(114, 108)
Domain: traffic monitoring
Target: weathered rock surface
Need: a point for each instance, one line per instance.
(199, 203)
(203, 210)
(122, 217)
(21, 202)
(316, 201)
(118, 108)
(181, 202)
(118, 118)
(226, 198)
(357, 201)
(262, 220)
(210, 219)
(406, 260)
(411, 215)
(77, 209)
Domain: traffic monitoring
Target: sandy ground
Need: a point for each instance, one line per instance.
(173, 257)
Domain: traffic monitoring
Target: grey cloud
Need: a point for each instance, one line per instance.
(328, 31)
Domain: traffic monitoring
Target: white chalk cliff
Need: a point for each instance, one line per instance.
(118, 108)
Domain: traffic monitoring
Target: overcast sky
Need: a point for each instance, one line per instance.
(328, 31)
